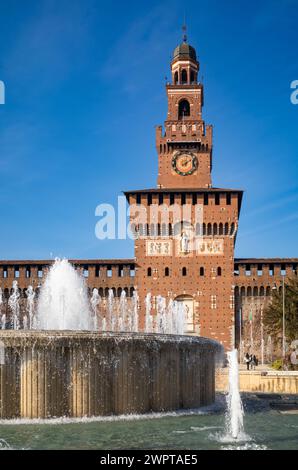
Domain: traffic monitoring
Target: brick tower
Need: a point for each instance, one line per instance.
(185, 228)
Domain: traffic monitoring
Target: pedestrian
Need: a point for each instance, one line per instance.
(247, 360)
(253, 362)
(250, 361)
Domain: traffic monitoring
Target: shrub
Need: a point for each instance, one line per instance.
(277, 365)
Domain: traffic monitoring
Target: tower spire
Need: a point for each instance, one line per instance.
(184, 36)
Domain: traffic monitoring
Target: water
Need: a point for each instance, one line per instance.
(95, 305)
(64, 304)
(14, 305)
(30, 307)
(235, 411)
(268, 430)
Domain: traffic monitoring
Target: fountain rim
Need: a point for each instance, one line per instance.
(93, 335)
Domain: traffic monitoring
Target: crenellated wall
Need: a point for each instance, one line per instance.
(255, 281)
(252, 281)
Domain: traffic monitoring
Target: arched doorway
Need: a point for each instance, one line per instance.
(188, 303)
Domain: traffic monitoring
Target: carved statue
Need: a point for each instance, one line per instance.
(184, 243)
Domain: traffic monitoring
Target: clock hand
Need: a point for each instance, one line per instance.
(186, 162)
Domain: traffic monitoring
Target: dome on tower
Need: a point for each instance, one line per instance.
(185, 51)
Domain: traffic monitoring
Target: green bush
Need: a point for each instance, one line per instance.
(277, 365)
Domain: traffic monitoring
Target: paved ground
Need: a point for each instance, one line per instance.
(258, 368)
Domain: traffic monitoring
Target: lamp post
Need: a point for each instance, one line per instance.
(262, 337)
(283, 318)
(240, 334)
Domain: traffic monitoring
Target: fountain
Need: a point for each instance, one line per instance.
(14, 305)
(71, 356)
(235, 412)
(95, 303)
(63, 302)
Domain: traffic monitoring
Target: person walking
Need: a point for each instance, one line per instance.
(254, 362)
(247, 360)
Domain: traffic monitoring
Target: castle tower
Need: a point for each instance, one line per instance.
(185, 148)
(185, 228)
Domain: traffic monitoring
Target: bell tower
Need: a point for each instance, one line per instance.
(185, 147)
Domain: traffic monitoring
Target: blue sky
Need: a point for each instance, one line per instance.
(85, 88)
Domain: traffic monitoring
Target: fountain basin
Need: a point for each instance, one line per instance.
(46, 374)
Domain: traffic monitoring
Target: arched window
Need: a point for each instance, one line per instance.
(192, 76)
(214, 229)
(232, 228)
(268, 291)
(209, 229)
(262, 291)
(242, 291)
(202, 271)
(131, 291)
(176, 78)
(167, 271)
(220, 229)
(184, 77)
(204, 229)
(255, 292)
(219, 271)
(119, 290)
(164, 230)
(184, 109)
(226, 228)
(184, 271)
(149, 272)
(249, 291)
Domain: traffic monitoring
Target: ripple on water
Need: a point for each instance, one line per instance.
(247, 446)
(227, 438)
(4, 445)
(203, 428)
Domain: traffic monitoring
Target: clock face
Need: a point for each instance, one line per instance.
(184, 163)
